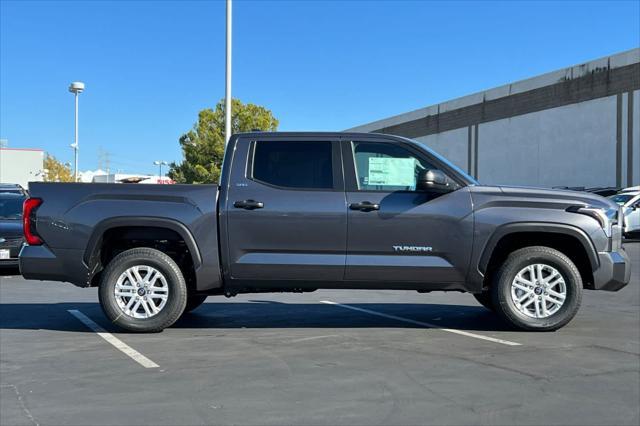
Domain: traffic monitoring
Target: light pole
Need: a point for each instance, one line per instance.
(160, 163)
(76, 88)
(227, 99)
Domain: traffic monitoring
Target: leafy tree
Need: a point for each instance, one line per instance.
(56, 171)
(203, 146)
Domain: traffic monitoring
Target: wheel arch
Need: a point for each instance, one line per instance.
(570, 240)
(92, 253)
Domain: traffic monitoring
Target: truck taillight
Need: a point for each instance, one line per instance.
(30, 204)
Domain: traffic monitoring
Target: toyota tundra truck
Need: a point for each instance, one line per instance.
(297, 212)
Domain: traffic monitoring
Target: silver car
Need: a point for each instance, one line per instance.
(630, 202)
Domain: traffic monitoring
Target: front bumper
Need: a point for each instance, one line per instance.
(614, 271)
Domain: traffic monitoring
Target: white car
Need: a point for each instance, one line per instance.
(630, 202)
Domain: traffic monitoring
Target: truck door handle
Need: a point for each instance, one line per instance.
(364, 206)
(248, 204)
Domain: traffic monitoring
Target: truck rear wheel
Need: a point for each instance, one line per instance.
(142, 290)
(537, 288)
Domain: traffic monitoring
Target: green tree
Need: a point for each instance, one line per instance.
(56, 171)
(203, 146)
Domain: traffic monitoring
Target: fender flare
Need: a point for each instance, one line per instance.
(144, 221)
(538, 227)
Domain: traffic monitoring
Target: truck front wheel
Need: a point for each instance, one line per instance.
(142, 290)
(537, 288)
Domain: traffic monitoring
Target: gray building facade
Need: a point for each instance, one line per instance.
(21, 166)
(579, 126)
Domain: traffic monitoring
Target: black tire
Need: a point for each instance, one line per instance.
(519, 259)
(194, 301)
(485, 300)
(177, 286)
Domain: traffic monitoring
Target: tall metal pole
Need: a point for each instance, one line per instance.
(227, 100)
(75, 149)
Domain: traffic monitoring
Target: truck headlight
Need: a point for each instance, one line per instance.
(606, 217)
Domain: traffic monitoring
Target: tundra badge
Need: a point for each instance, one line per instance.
(413, 248)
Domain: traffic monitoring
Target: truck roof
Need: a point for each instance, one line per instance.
(315, 134)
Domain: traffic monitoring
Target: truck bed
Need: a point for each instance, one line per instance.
(75, 217)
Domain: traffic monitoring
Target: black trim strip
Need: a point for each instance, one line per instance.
(619, 140)
(469, 151)
(630, 138)
(599, 83)
(475, 153)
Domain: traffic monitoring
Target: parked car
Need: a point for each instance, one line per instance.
(630, 203)
(631, 189)
(604, 191)
(11, 237)
(12, 188)
(298, 212)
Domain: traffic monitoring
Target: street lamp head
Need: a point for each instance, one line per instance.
(76, 87)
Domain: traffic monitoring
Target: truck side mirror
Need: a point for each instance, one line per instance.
(433, 180)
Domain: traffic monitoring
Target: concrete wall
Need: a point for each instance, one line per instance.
(579, 126)
(21, 166)
(572, 145)
(451, 144)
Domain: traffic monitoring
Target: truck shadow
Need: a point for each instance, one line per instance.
(262, 315)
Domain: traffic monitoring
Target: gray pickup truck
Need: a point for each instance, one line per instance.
(297, 212)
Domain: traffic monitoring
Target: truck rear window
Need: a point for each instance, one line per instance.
(291, 164)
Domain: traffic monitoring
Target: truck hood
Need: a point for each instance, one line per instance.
(558, 197)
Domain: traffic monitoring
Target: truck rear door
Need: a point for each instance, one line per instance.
(286, 214)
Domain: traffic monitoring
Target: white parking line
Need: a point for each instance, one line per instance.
(424, 324)
(306, 339)
(117, 343)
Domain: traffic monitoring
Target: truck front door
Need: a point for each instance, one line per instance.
(286, 211)
(396, 233)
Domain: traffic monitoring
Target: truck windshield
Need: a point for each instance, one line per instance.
(442, 159)
(10, 207)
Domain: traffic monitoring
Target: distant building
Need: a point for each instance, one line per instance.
(578, 126)
(21, 165)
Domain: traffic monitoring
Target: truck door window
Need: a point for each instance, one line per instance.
(386, 167)
(291, 164)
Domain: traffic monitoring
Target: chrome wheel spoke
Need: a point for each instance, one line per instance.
(529, 302)
(136, 305)
(554, 300)
(130, 303)
(538, 290)
(559, 296)
(141, 291)
(145, 306)
(543, 308)
(158, 296)
(524, 296)
(152, 307)
(517, 284)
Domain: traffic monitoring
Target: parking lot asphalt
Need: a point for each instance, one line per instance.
(322, 358)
